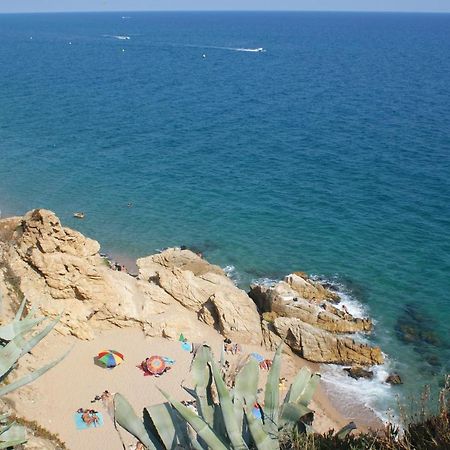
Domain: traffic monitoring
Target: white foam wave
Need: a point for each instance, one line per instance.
(232, 273)
(353, 306)
(265, 281)
(374, 394)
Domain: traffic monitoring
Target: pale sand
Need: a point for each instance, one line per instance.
(53, 399)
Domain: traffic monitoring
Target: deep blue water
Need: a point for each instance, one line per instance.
(329, 152)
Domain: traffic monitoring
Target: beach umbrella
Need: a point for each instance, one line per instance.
(110, 358)
(156, 365)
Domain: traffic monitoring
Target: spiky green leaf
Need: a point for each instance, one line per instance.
(203, 430)
(298, 385)
(293, 412)
(125, 416)
(308, 393)
(260, 438)
(31, 343)
(272, 397)
(245, 389)
(202, 378)
(168, 425)
(234, 431)
(344, 431)
(29, 378)
(14, 435)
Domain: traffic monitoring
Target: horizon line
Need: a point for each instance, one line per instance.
(365, 11)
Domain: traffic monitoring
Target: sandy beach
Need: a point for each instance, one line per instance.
(53, 399)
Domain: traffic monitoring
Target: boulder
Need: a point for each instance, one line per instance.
(205, 289)
(271, 340)
(394, 378)
(318, 345)
(310, 289)
(357, 372)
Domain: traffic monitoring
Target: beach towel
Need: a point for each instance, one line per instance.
(168, 360)
(257, 356)
(81, 425)
(186, 346)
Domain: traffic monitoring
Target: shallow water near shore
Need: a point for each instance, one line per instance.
(329, 152)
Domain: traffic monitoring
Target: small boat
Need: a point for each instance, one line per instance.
(79, 215)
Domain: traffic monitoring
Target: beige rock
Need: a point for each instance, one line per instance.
(171, 258)
(285, 301)
(321, 346)
(59, 269)
(271, 340)
(309, 289)
(206, 290)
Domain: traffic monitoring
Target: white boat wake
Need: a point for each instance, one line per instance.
(233, 49)
(119, 37)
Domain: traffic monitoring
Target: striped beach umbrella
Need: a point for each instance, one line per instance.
(110, 358)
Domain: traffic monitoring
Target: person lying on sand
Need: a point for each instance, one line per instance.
(89, 416)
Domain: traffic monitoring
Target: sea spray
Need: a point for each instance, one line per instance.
(348, 394)
(232, 273)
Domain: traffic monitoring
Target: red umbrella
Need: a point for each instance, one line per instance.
(156, 365)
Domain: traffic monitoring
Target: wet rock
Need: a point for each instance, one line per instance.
(357, 372)
(394, 378)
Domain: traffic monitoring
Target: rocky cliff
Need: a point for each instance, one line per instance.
(61, 271)
(175, 291)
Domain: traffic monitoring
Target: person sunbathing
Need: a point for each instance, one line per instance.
(89, 416)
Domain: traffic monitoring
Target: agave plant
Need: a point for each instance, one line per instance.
(15, 342)
(228, 423)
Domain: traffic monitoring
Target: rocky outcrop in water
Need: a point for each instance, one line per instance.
(322, 346)
(358, 372)
(394, 378)
(304, 314)
(315, 310)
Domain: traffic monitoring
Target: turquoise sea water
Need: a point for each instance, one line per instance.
(328, 152)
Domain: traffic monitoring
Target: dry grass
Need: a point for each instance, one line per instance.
(422, 431)
(40, 432)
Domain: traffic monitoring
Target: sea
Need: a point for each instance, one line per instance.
(271, 142)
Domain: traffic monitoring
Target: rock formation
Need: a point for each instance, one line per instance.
(303, 313)
(285, 301)
(176, 291)
(393, 378)
(60, 270)
(204, 289)
(318, 345)
(358, 372)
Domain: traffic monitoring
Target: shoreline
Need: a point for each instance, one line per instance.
(328, 396)
(328, 413)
